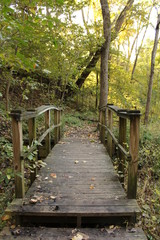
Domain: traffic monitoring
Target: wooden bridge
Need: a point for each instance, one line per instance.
(79, 186)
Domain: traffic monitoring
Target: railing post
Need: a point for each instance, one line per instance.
(48, 137)
(56, 131)
(122, 141)
(133, 148)
(17, 150)
(32, 137)
(109, 138)
(60, 119)
(102, 128)
(100, 121)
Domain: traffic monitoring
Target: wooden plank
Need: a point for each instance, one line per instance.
(78, 210)
(80, 202)
(68, 233)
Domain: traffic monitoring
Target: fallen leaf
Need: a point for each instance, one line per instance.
(111, 227)
(13, 227)
(16, 232)
(53, 197)
(53, 175)
(80, 236)
(60, 142)
(76, 162)
(110, 231)
(33, 200)
(93, 179)
(92, 187)
(5, 217)
(70, 176)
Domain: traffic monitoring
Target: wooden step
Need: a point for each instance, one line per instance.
(74, 212)
(114, 233)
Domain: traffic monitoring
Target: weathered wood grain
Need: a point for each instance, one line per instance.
(78, 181)
(68, 233)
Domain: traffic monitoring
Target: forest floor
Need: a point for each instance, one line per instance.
(83, 124)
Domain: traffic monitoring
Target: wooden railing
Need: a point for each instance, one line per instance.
(106, 133)
(20, 155)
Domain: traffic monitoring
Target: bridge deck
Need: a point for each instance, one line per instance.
(77, 185)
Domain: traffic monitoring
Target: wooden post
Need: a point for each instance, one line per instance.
(59, 123)
(48, 137)
(103, 127)
(122, 141)
(18, 162)
(133, 148)
(109, 138)
(56, 128)
(32, 137)
(60, 119)
(100, 120)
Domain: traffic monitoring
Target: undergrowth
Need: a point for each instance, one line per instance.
(149, 176)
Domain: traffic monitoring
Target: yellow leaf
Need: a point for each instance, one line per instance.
(53, 175)
(78, 237)
(111, 227)
(5, 217)
(93, 179)
(92, 187)
(13, 226)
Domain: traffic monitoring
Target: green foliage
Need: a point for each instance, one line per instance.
(31, 161)
(6, 172)
(150, 148)
(72, 120)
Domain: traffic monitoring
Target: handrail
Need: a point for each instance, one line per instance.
(121, 148)
(31, 113)
(132, 156)
(17, 134)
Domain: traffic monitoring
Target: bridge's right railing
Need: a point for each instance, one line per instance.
(106, 133)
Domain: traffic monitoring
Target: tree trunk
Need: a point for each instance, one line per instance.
(105, 53)
(7, 94)
(97, 78)
(150, 84)
(139, 49)
(97, 54)
(92, 63)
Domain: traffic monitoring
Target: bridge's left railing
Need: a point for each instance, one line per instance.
(20, 155)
